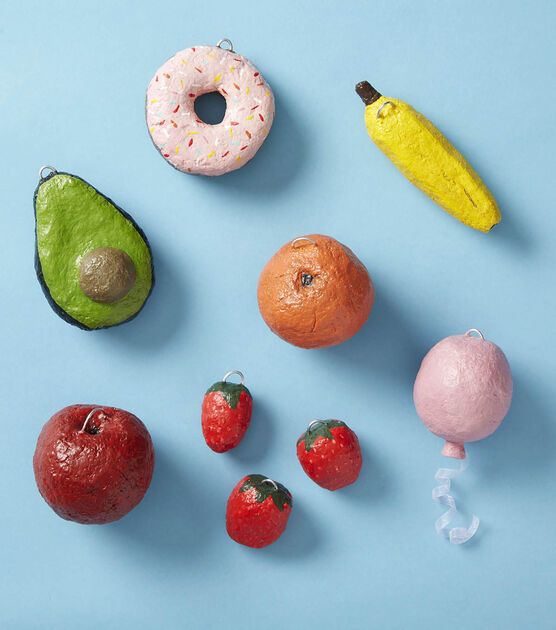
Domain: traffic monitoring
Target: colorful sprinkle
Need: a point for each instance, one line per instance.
(247, 90)
(192, 133)
(177, 149)
(225, 154)
(211, 154)
(244, 147)
(175, 110)
(248, 134)
(261, 117)
(256, 74)
(237, 86)
(198, 70)
(224, 91)
(191, 95)
(249, 118)
(217, 78)
(190, 142)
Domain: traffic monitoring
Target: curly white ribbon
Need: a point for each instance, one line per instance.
(441, 494)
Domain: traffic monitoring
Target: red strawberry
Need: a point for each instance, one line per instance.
(330, 454)
(258, 511)
(226, 414)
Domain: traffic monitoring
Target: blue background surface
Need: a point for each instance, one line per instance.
(72, 84)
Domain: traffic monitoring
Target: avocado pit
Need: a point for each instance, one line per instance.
(106, 274)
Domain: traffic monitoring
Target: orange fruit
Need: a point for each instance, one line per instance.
(315, 292)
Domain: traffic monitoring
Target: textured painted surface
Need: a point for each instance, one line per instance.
(257, 513)
(463, 390)
(315, 293)
(73, 77)
(187, 142)
(96, 475)
(430, 162)
(72, 219)
(226, 415)
(330, 454)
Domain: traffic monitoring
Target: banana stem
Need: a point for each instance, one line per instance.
(367, 92)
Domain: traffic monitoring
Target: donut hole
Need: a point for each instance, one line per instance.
(210, 108)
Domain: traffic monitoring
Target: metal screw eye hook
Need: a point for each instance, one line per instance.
(228, 42)
(230, 373)
(271, 482)
(311, 424)
(303, 238)
(89, 416)
(42, 169)
(382, 107)
(474, 332)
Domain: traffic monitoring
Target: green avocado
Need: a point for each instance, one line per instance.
(74, 221)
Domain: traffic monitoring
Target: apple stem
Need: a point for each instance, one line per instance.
(89, 416)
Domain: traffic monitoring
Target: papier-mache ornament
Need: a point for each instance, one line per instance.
(462, 392)
(184, 140)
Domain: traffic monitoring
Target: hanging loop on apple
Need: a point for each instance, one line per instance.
(90, 415)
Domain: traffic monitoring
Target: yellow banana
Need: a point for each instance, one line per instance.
(427, 159)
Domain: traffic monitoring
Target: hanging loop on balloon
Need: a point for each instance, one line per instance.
(474, 332)
(441, 494)
(231, 373)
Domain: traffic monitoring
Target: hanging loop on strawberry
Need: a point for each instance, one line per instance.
(231, 373)
(271, 482)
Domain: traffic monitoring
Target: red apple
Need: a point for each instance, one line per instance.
(93, 464)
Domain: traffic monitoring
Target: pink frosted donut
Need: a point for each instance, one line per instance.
(463, 390)
(190, 144)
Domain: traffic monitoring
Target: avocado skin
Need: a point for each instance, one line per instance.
(38, 268)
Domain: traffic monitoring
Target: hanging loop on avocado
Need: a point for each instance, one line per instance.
(474, 332)
(303, 238)
(225, 41)
(382, 107)
(51, 169)
(89, 416)
(230, 373)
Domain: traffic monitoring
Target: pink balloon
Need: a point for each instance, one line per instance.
(463, 390)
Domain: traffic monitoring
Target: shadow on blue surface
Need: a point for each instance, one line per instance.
(385, 348)
(258, 439)
(374, 482)
(301, 539)
(178, 517)
(509, 232)
(163, 314)
(522, 449)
